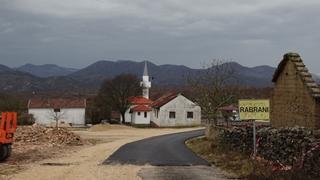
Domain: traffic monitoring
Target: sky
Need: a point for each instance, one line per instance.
(76, 33)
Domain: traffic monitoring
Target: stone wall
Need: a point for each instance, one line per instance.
(292, 105)
(298, 148)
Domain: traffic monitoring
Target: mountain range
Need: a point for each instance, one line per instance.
(46, 70)
(50, 77)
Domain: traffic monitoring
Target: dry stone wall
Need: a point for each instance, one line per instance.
(297, 148)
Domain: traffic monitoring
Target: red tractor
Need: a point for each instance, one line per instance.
(8, 126)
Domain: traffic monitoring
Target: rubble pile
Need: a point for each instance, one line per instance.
(296, 147)
(40, 135)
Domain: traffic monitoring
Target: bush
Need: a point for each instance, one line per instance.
(26, 119)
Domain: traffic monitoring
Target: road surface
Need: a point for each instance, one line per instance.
(166, 150)
(169, 158)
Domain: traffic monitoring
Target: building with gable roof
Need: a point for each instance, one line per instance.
(295, 99)
(139, 111)
(67, 111)
(174, 109)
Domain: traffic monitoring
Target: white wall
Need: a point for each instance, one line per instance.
(127, 115)
(43, 116)
(180, 105)
(140, 119)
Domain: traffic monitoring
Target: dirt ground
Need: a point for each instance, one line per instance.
(84, 162)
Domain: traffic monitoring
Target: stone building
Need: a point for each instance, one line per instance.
(296, 96)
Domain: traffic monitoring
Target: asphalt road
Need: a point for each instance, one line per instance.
(166, 150)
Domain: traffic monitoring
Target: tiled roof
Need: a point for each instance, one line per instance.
(164, 100)
(302, 71)
(57, 103)
(140, 100)
(141, 108)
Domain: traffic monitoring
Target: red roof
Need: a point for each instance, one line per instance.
(140, 101)
(164, 100)
(230, 107)
(57, 103)
(141, 108)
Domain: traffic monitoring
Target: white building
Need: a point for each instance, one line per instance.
(139, 112)
(168, 111)
(66, 111)
(175, 110)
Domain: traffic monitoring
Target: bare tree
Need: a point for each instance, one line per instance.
(116, 92)
(213, 88)
(56, 114)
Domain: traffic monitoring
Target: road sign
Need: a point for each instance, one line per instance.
(254, 109)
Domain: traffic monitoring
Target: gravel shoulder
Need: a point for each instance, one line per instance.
(85, 162)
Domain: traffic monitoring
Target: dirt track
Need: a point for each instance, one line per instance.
(85, 162)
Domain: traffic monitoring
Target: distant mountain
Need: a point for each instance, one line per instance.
(54, 78)
(13, 80)
(162, 75)
(46, 70)
(168, 75)
(4, 68)
(258, 76)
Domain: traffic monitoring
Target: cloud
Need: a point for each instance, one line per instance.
(167, 31)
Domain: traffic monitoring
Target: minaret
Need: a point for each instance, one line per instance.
(145, 83)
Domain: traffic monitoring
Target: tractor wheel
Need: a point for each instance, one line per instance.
(5, 151)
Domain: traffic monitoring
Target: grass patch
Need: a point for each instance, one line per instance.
(230, 161)
(237, 163)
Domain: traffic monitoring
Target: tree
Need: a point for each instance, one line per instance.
(214, 88)
(56, 114)
(115, 92)
(98, 109)
(9, 103)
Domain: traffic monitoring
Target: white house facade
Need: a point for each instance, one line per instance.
(139, 112)
(175, 110)
(66, 111)
(141, 115)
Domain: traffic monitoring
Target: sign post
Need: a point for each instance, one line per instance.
(254, 139)
(254, 109)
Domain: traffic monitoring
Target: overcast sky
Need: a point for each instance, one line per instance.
(76, 33)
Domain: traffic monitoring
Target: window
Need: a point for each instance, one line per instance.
(145, 114)
(56, 110)
(190, 115)
(139, 113)
(172, 115)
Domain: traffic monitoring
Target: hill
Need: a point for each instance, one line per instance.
(46, 70)
(168, 75)
(13, 80)
(50, 77)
